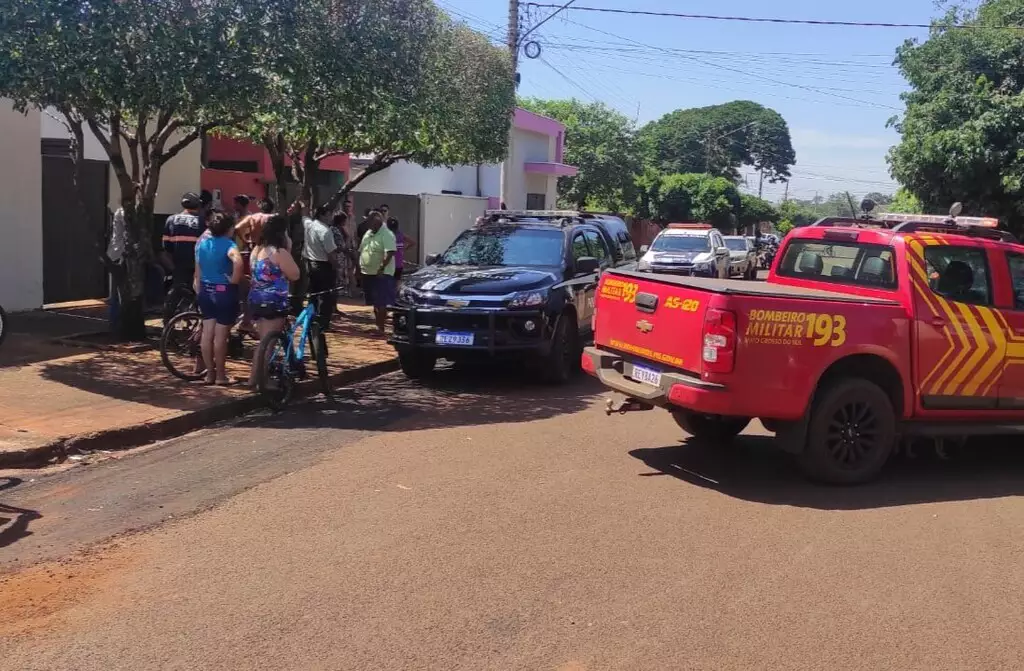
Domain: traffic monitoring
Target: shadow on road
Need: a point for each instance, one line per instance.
(754, 470)
(452, 397)
(14, 522)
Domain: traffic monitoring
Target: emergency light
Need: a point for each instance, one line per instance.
(690, 226)
(984, 222)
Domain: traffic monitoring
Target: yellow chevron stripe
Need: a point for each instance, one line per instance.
(964, 342)
(924, 290)
(998, 352)
(979, 350)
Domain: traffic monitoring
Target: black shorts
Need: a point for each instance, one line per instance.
(398, 274)
(219, 302)
(263, 311)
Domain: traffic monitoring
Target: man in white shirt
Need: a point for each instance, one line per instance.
(320, 253)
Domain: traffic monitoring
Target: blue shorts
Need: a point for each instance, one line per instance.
(219, 302)
(379, 290)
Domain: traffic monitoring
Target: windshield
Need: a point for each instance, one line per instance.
(505, 246)
(680, 243)
(736, 244)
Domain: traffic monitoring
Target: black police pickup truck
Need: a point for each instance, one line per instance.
(519, 284)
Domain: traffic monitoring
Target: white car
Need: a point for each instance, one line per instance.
(742, 256)
(687, 249)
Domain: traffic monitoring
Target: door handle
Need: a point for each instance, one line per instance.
(938, 322)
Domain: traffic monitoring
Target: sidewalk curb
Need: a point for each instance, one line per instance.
(137, 435)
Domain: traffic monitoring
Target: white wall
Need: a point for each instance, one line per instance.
(21, 210)
(410, 179)
(442, 218)
(53, 128)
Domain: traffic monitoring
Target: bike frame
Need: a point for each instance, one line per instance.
(303, 322)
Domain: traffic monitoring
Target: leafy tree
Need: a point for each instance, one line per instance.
(695, 197)
(784, 226)
(963, 128)
(754, 210)
(602, 143)
(390, 79)
(799, 213)
(147, 78)
(719, 139)
(905, 202)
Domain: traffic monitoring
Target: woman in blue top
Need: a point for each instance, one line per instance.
(218, 272)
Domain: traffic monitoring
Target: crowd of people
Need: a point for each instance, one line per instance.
(242, 268)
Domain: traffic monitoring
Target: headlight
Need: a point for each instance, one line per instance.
(703, 266)
(643, 265)
(407, 295)
(528, 299)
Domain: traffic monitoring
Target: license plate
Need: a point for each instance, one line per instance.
(453, 338)
(647, 376)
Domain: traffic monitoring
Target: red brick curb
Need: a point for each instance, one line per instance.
(136, 435)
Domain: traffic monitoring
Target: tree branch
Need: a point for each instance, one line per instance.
(380, 162)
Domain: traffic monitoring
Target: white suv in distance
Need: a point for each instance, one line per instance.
(687, 249)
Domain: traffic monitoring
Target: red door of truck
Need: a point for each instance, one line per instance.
(1011, 314)
(960, 346)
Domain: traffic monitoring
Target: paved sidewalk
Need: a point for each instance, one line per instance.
(57, 400)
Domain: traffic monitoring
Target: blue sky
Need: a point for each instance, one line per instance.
(835, 86)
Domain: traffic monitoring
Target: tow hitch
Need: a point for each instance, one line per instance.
(621, 404)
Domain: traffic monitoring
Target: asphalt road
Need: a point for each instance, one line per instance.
(489, 523)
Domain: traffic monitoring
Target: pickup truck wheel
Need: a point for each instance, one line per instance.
(851, 433)
(565, 355)
(415, 365)
(711, 428)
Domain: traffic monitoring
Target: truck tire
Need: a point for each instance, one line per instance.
(851, 433)
(417, 365)
(712, 428)
(564, 359)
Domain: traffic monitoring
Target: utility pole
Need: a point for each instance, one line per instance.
(785, 198)
(760, 185)
(513, 50)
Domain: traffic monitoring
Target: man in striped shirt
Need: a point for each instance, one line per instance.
(181, 233)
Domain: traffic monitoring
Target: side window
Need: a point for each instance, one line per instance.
(959, 274)
(598, 247)
(626, 242)
(579, 247)
(1016, 262)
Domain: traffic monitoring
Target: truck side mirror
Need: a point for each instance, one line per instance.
(587, 265)
(432, 259)
(644, 249)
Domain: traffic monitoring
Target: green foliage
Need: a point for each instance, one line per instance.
(602, 143)
(754, 210)
(963, 129)
(391, 79)
(905, 202)
(719, 139)
(693, 197)
(785, 226)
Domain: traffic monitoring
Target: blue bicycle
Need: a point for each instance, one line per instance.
(283, 357)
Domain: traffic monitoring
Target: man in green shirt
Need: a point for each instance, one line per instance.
(377, 265)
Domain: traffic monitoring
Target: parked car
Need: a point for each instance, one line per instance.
(863, 335)
(742, 257)
(687, 249)
(519, 285)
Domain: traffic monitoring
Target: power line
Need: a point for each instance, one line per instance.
(753, 19)
(567, 79)
(746, 73)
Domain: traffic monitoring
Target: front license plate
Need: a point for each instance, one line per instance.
(453, 338)
(647, 376)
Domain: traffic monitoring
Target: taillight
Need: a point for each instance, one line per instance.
(719, 350)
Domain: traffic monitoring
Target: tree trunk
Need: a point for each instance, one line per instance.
(132, 285)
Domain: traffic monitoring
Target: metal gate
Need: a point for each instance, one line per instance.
(72, 269)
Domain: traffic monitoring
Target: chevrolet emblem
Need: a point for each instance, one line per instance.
(644, 326)
(456, 304)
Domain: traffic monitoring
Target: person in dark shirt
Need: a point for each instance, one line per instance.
(181, 233)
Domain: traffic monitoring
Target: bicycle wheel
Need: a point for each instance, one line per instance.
(181, 298)
(273, 371)
(318, 346)
(181, 346)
